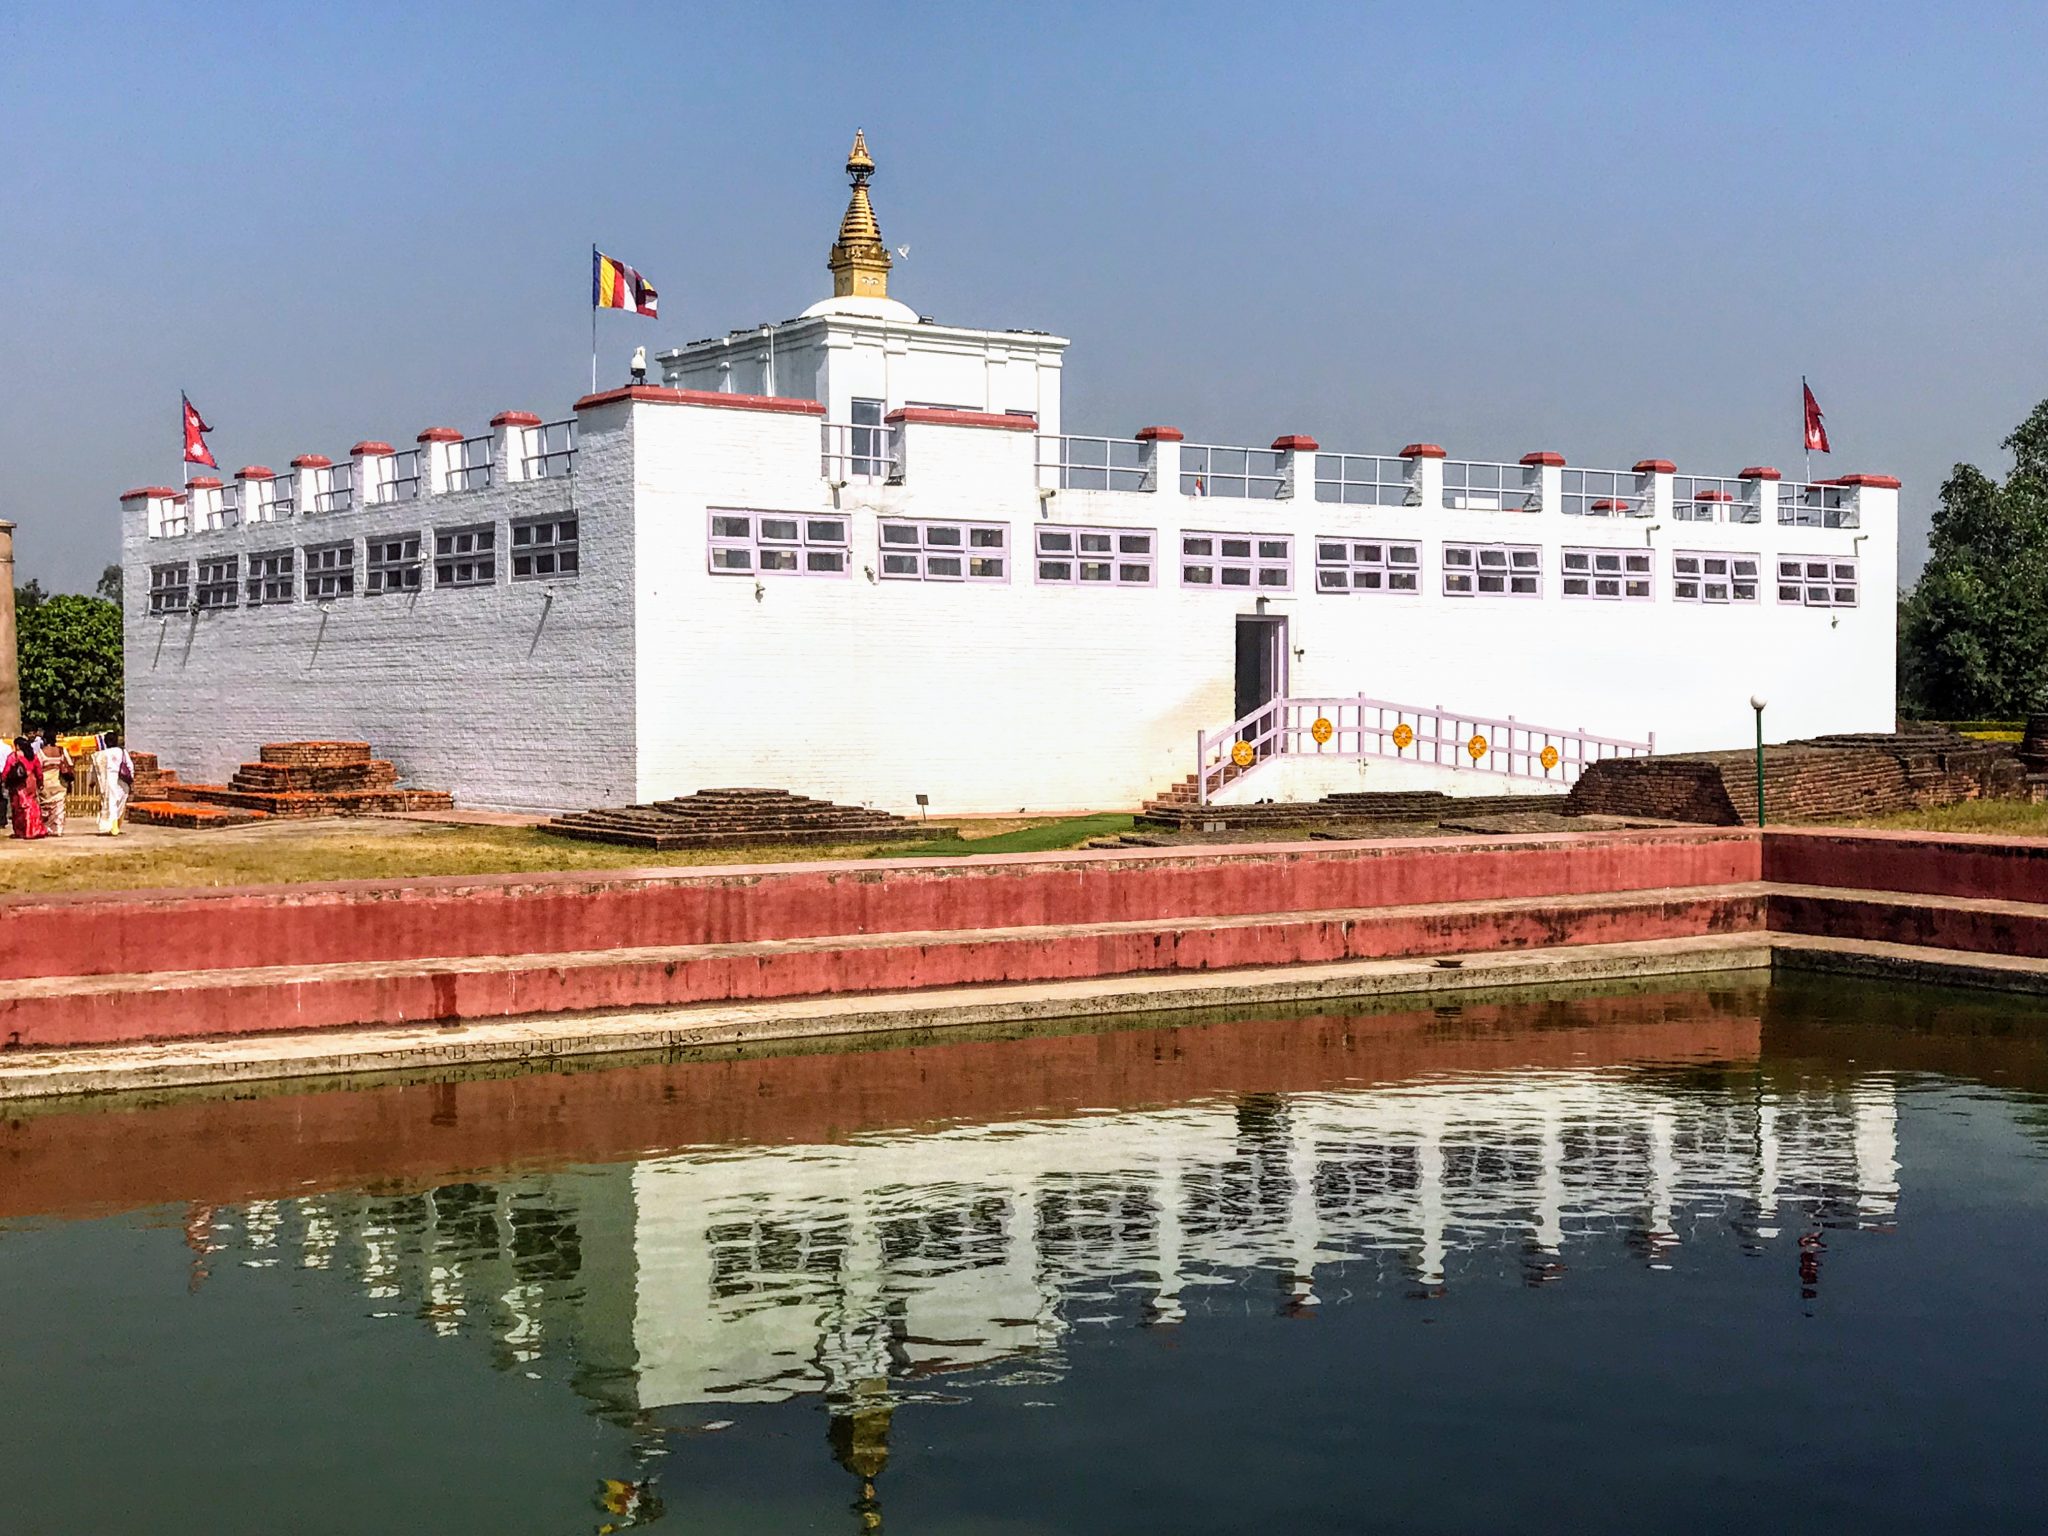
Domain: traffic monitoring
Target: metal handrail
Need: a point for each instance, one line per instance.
(1362, 727)
(859, 451)
(1366, 480)
(1475, 485)
(550, 450)
(1606, 493)
(1817, 504)
(471, 469)
(339, 490)
(1094, 463)
(1251, 474)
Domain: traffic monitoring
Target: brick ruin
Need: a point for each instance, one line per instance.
(295, 779)
(1828, 778)
(718, 818)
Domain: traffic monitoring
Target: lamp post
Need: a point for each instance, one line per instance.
(1757, 702)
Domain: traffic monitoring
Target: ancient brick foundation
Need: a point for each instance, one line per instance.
(289, 778)
(1829, 778)
(720, 818)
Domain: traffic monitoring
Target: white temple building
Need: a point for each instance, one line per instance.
(857, 555)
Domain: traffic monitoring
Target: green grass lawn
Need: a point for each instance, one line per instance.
(1044, 837)
(369, 849)
(2012, 818)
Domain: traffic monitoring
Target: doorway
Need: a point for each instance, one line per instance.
(1261, 674)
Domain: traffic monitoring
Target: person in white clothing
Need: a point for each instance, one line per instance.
(114, 772)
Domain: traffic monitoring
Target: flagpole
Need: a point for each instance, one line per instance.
(593, 319)
(184, 459)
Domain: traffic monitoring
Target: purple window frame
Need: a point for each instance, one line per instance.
(1474, 569)
(1631, 568)
(1120, 560)
(1255, 561)
(923, 551)
(1823, 590)
(805, 544)
(1351, 565)
(1699, 578)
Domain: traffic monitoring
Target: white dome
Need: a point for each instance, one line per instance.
(865, 309)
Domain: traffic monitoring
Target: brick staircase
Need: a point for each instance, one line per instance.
(731, 818)
(313, 778)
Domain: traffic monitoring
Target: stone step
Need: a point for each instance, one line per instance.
(95, 933)
(170, 1005)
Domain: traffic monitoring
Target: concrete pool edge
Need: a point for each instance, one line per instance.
(255, 1058)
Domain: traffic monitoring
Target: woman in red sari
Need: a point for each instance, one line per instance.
(22, 777)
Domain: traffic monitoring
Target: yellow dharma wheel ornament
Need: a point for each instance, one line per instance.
(1404, 737)
(1478, 746)
(1242, 754)
(1549, 758)
(1322, 730)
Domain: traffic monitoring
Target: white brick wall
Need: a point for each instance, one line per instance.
(497, 694)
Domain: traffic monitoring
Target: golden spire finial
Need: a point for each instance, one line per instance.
(859, 261)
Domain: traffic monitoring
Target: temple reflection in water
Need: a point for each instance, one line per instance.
(762, 1273)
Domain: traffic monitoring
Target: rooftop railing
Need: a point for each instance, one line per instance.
(398, 479)
(271, 501)
(859, 451)
(549, 450)
(1817, 504)
(1605, 493)
(1476, 486)
(1250, 474)
(1713, 499)
(335, 488)
(1068, 463)
(470, 466)
(1365, 480)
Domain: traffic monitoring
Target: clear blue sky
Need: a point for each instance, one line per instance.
(1612, 230)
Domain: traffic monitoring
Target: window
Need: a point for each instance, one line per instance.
(1367, 565)
(922, 551)
(1611, 573)
(1493, 570)
(217, 582)
(785, 543)
(393, 565)
(170, 588)
(1815, 582)
(1254, 561)
(1698, 576)
(330, 571)
(466, 557)
(865, 441)
(543, 547)
(1102, 557)
(270, 578)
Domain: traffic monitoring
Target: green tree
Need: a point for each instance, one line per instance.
(109, 585)
(29, 595)
(1973, 632)
(70, 652)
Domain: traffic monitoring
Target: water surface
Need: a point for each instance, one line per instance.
(1685, 1259)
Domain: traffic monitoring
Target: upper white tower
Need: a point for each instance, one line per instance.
(864, 354)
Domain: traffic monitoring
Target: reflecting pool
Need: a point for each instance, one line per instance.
(1693, 1258)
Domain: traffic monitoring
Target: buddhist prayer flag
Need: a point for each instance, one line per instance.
(196, 451)
(1816, 427)
(614, 285)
